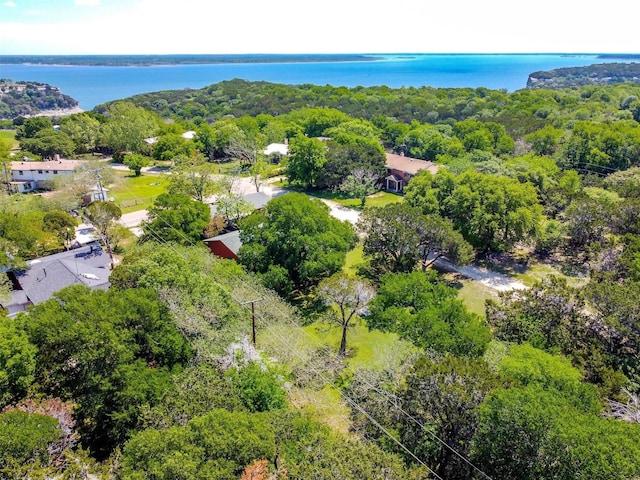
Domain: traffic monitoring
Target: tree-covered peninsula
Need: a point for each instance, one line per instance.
(25, 99)
(599, 74)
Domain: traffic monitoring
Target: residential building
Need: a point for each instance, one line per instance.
(88, 266)
(29, 175)
(401, 169)
(226, 245)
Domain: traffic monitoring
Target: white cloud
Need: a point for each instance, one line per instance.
(256, 26)
(9, 4)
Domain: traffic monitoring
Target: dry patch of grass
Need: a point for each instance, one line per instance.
(326, 406)
(472, 293)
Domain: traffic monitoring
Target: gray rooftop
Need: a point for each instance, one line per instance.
(257, 199)
(230, 239)
(47, 275)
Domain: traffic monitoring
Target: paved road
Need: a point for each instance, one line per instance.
(133, 219)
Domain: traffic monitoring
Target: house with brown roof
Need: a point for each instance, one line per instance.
(400, 170)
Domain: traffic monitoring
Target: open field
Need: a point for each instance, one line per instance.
(378, 199)
(9, 137)
(538, 271)
(353, 260)
(137, 193)
(365, 349)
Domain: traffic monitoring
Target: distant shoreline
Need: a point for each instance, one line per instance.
(210, 59)
(158, 60)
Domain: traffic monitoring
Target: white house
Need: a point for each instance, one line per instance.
(27, 176)
(279, 148)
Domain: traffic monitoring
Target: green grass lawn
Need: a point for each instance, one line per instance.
(536, 272)
(9, 137)
(326, 405)
(229, 168)
(365, 349)
(378, 199)
(295, 346)
(353, 260)
(137, 193)
(472, 293)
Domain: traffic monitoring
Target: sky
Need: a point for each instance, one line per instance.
(66, 27)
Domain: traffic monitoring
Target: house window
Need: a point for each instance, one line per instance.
(40, 171)
(20, 172)
(46, 171)
(55, 172)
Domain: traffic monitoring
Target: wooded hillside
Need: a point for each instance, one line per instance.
(600, 74)
(30, 98)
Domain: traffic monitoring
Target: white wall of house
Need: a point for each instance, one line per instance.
(39, 173)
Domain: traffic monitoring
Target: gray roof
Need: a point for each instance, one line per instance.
(47, 275)
(230, 239)
(257, 199)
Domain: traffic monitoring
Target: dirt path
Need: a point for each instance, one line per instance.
(497, 281)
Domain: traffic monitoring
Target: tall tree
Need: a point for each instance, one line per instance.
(195, 177)
(60, 223)
(102, 215)
(350, 295)
(126, 128)
(441, 399)
(306, 158)
(360, 184)
(83, 129)
(111, 352)
(17, 362)
(48, 143)
(531, 433)
(135, 162)
(392, 236)
(177, 218)
(295, 236)
(419, 308)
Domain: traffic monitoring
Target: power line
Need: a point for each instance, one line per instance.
(350, 401)
(386, 395)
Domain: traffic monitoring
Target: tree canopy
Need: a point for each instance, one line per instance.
(294, 239)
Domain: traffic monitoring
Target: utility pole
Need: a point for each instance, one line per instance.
(100, 186)
(6, 177)
(104, 235)
(253, 318)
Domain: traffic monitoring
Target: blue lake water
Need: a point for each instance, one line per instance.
(93, 85)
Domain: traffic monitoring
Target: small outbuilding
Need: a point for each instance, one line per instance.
(226, 245)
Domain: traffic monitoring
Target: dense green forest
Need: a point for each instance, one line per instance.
(369, 360)
(520, 112)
